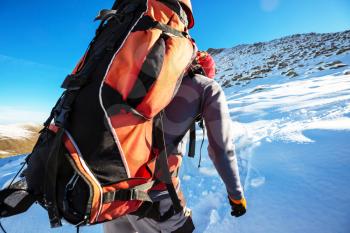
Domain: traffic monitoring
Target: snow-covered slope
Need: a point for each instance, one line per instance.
(290, 103)
(292, 140)
(17, 138)
(292, 56)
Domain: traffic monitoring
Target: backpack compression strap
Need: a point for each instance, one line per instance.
(162, 163)
(146, 22)
(51, 179)
(138, 193)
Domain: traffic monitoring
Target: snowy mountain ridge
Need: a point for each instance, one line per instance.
(291, 56)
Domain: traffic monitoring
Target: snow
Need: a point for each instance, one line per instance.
(208, 171)
(342, 123)
(4, 152)
(294, 95)
(15, 131)
(256, 182)
(293, 107)
(292, 144)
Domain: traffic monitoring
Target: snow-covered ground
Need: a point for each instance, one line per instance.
(17, 138)
(15, 131)
(292, 141)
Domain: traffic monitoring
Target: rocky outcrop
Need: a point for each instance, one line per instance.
(292, 56)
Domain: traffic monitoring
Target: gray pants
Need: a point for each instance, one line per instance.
(131, 223)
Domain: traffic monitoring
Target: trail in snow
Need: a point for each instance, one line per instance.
(277, 116)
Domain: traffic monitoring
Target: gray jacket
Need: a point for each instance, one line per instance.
(203, 96)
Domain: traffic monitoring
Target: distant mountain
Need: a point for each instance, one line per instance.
(17, 139)
(291, 56)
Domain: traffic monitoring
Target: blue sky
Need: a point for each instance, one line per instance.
(41, 40)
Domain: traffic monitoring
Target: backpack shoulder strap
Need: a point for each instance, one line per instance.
(146, 22)
(177, 8)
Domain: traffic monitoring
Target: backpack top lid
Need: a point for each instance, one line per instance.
(206, 61)
(187, 6)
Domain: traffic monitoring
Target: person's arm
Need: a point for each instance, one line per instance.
(221, 149)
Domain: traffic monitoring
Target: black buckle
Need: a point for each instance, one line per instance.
(126, 194)
(61, 118)
(120, 195)
(105, 14)
(63, 108)
(73, 82)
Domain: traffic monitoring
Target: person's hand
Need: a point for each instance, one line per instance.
(239, 207)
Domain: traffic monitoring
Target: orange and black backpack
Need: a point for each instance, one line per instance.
(96, 157)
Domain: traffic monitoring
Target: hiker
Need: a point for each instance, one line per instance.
(198, 97)
(103, 151)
